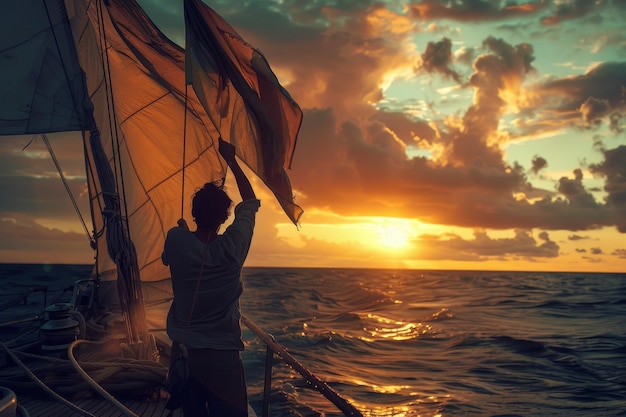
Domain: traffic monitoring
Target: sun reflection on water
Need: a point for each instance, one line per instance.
(380, 328)
(429, 404)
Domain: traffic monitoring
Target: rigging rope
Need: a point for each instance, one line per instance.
(182, 192)
(44, 386)
(93, 383)
(67, 188)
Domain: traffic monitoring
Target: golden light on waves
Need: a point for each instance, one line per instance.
(380, 328)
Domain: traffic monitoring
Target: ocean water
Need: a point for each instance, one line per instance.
(424, 343)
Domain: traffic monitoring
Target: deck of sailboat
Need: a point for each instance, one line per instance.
(39, 404)
(36, 406)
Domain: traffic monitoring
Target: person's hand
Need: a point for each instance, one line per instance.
(227, 151)
(183, 224)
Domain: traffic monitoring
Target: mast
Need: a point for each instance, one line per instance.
(120, 246)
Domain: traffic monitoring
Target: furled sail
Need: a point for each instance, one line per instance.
(244, 99)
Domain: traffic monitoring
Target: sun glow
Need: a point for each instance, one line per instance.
(394, 234)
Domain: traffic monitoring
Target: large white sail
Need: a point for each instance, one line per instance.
(149, 140)
(148, 119)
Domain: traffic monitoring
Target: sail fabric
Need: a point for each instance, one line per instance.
(42, 88)
(149, 126)
(244, 99)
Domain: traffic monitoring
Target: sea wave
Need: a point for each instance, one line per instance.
(427, 343)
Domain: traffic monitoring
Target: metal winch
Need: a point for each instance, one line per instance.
(58, 330)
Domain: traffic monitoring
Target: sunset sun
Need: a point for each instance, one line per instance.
(394, 234)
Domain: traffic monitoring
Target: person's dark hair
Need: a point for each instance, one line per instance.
(210, 206)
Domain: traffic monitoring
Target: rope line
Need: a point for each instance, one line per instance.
(92, 383)
(44, 386)
(182, 192)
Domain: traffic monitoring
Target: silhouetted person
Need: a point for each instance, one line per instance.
(204, 319)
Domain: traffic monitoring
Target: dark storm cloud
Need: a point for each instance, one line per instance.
(438, 57)
(599, 92)
(538, 163)
(596, 251)
(614, 170)
(575, 192)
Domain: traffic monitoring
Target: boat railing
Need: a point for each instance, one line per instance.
(322, 387)
(24, 295)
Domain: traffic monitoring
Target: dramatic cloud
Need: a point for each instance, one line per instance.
(483, 247)
(614, 170)
(538, 164)
(577, 237)
(343, 63)
(35, 184)
(593, 110)
(474, 140)
(438, 57)
(472, 10)
(600, 92)
(467, 183)
(416, 111)
(411, 132)
(572, 9)
(23, 241)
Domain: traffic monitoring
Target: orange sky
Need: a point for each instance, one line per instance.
(465, 137)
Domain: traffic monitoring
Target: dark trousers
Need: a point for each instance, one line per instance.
(216, 385)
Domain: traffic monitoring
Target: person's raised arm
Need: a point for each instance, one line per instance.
(227, 151)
